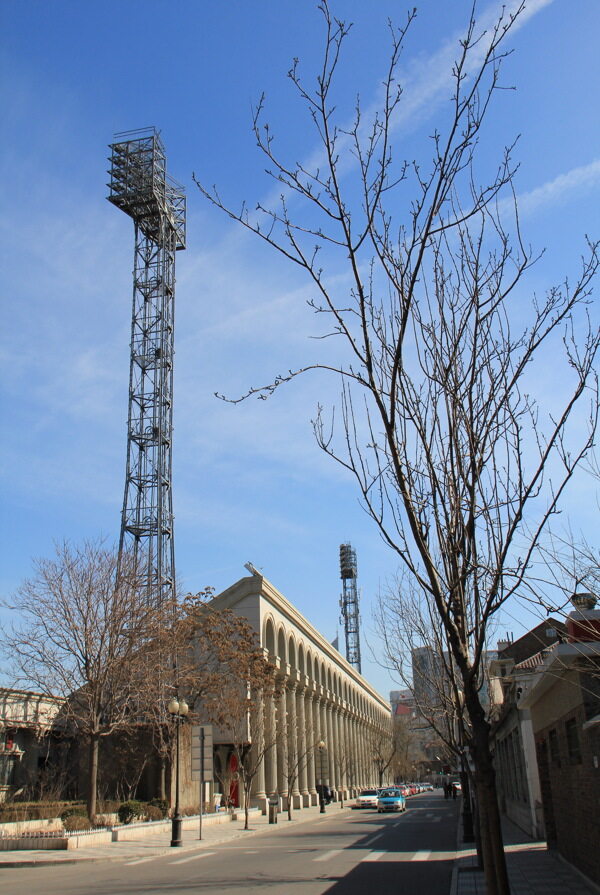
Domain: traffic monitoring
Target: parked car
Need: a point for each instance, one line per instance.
(391, 800)
(367, 798)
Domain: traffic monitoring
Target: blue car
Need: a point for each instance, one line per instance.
(391, 800)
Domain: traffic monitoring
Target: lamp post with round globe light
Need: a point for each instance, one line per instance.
(178, 709)
(321, 748)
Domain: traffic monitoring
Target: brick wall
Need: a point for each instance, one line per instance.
(570, 784)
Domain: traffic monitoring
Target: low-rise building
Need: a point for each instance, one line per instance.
(547, 733)
(27, 740)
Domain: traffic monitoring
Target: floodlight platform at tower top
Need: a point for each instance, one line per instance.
(140, 186)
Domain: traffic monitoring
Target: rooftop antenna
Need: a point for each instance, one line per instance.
(349, 604)
(140, 186)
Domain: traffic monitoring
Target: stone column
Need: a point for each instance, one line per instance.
(260, 793)
(271, 755)
(292, 744)
(282, 744)
(332, 780)
(351, 773)
(372, 779)
(342, 752)
(313, 706)
(359, 752)
(304, 749)
(365, 751)
(323, 766)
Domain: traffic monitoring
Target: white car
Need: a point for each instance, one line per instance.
(367, 798)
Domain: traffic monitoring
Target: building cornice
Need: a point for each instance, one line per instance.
(258, 585)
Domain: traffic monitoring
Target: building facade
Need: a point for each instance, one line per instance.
(28, 740)
(323, 700)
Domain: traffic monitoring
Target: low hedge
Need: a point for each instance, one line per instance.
(76, 822)
(161, 804)
(17, 811)
(130, 811)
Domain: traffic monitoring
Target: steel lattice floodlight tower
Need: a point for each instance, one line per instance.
(139, 186)
(349, 604)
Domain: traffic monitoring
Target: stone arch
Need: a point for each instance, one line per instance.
(301, 665)
(281, 645)
(269, 636)
(309, 665)
(292, 652)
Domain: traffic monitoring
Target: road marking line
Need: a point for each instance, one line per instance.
(374, 839)
(329, 854)
(374, 856)
(204, 854)
(141, 860)
(421, 856)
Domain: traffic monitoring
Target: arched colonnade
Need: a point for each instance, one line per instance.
(320, 701)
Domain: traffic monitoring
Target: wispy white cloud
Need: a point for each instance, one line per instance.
(576, 180)
(426, 83)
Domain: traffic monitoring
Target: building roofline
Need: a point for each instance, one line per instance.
(258, 585)
(11, 691)
(561, 658)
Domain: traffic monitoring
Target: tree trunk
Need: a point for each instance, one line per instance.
(92, 776)
(492, 849)
(162, 779)
(246, 790)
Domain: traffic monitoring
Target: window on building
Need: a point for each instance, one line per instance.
(554, 749)
(7, 770)
(573, 747)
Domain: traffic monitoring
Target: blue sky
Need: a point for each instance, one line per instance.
(249, 482)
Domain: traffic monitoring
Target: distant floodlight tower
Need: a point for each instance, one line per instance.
(140, 186)
(349, 604)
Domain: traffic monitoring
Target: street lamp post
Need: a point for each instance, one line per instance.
(321, 748)
(179, 709)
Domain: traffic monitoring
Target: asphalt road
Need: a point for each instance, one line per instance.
(357, 853)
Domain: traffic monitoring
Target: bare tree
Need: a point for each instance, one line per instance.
(246, 682)
(346, 762)
(381, 747)
(192, 655)
(295, 760)
(436, 348)
(79, 634)
(407, 753)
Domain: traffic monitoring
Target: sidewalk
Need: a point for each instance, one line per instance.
(532, 868)
(148, 847)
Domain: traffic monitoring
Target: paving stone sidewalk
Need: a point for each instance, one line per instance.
(156, 845)
(533, 869)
